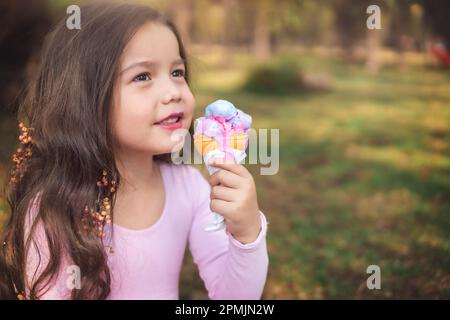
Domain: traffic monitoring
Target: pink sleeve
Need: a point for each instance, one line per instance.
(229, 269)
(37, 258)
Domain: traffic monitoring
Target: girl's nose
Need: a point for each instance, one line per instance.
(171, 93)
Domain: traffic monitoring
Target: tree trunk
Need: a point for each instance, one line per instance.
(182, 12)
(261, 41)
(373, 62)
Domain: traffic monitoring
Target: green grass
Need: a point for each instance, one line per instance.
(364, 179)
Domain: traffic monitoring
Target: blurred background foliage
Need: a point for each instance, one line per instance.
(364, 130)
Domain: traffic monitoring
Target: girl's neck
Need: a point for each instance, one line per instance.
(140, 197)
(137, 171)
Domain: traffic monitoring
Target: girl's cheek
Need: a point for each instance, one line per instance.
(138, 103)
(190, 101)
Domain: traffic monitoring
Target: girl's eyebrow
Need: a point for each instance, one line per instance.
(149, 63)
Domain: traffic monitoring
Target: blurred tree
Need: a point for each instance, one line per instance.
(305, 22)
(208, 21)
(373, 63)
(350, 23)
(405, 28)
(351, 26)
(261, 40)
(437, 18)
(262, 25)
(230, 20)
(182, 14)
(308, 22)
(24, 24)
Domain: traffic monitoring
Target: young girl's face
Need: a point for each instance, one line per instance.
(150, 87)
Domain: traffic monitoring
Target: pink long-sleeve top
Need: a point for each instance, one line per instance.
(146, 264)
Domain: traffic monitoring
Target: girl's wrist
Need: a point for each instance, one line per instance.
(251, 235)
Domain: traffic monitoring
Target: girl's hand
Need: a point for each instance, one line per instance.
(233, 195)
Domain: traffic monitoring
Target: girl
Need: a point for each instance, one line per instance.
(98, 210)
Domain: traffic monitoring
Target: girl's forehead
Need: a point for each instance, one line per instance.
(152, 41)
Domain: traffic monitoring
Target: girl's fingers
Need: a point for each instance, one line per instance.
(220, 206)
(236, 168)
(227, 178)
(223, 193)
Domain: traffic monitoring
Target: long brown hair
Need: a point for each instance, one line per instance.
(68, 105)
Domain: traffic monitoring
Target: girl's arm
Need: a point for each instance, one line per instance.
(229, 269)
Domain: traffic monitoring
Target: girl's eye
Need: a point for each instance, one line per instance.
(178, 73)
(142, 77)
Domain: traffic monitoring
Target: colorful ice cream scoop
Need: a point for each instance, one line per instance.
(226, 125)
(222, 132)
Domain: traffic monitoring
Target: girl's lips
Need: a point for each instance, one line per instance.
(171, 126)
(172, 115)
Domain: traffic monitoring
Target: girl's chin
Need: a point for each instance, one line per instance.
(169, 141)
(169, 147)
(172, 136)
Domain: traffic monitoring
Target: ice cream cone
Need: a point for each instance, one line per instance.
(238, 141)
(205, 144)
(221, 133)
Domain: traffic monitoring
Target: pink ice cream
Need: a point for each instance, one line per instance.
(226, 125)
